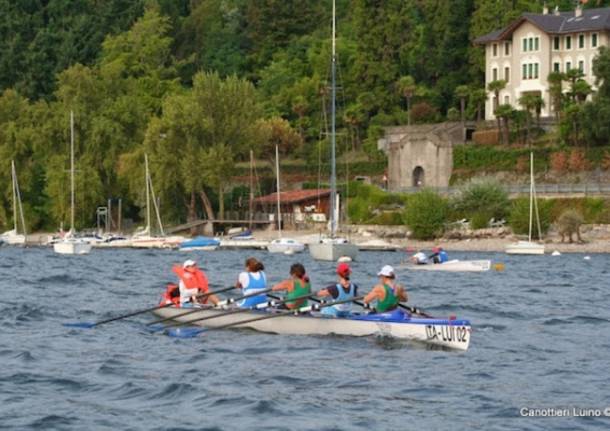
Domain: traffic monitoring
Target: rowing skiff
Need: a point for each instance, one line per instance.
(453, 266)
(453, 334)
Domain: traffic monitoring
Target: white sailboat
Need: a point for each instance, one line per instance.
(144, 238)
(529, 247)
(13, 237)
(333, 248)
(281, 244)
(70, 244)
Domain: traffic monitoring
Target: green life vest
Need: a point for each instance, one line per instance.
(300, 288)
(389, 302)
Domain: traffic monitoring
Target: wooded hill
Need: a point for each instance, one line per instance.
(197, 84)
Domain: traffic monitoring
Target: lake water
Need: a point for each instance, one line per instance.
(540, 339)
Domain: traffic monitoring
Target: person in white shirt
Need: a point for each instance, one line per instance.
(252, 280)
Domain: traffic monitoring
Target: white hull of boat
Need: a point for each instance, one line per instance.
(199, 248)
(286, 246)
(72, 247)
(454, 266)
(525, 247)
(331, 251)
(439, 332)
(236, 243)
(12, 238)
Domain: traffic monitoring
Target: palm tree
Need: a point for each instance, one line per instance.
(531, 103)
(555, 80)
(495, 87)
(462, 92)
(581, 90)
(477, 99)
(504, 112)
(573, 75)
(407, 88)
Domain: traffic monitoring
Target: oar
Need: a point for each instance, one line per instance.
(243, 310)
(296, 312)
(414, 310)
(220, 304)
(89, 325)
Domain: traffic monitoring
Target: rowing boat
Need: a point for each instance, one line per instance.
(453, 334)
(453, 266)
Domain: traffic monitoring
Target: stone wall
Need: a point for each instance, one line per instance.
(421, 155)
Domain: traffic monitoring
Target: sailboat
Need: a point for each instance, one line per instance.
(281, 244)
(333, 248)
(12, 237)
(529, 247)
(70, 244)
(143, 238)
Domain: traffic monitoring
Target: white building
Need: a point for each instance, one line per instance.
(524, 53)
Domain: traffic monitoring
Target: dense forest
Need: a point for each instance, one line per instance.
(197, 84)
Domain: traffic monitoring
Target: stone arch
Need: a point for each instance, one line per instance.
(418, 176)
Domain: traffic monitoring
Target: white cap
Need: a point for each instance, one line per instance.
(386, 271)
(189, 262)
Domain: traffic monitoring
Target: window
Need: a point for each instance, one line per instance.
(581, 41)
(506, 48)
(494, 73)
(556, 43)
(581, 66)
(524, 45)
(568, 66)
(568, 42)
(530, 45)
(494, 49)
(535, 70)
(530, 71)
(594, 40)
(536, 43)
(524, 74)
(507, 74)
(556, 67)
(506, 100)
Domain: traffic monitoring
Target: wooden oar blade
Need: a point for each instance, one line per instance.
(182, 332)
(83, 325)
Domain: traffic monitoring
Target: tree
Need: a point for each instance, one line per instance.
(555, 80)
(407, 88)
(569, 223)
(478, 97)
(572, 76)
(462, 93)
(505, 112)
(495, 87)
(531, 103)
(426, 214)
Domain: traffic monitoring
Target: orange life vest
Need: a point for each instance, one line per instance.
(193, 280)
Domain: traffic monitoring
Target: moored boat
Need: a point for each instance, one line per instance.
(453, 334)
(200, 243)
(285, 245)
(454, 266)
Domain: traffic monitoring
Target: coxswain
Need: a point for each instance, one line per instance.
(387, 294)
(192, 283)
(296, 286)
(344, 289)
(252, 280)
(439, 255)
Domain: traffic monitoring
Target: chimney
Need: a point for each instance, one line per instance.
(545, 9)
(578, 11)
(556, 11)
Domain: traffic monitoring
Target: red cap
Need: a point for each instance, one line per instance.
(436, 249)
(343, 269)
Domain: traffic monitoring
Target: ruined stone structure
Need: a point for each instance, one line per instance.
(420, 156)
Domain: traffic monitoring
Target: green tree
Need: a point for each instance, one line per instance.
(407, 88)
(462, 92)
(555, 80)
(505, 112)
(426, 214)
(495, 87)
(482, 201)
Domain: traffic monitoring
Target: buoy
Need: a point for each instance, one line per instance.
(587, 257)
(344, 259)
(498, 266)
(556, 253)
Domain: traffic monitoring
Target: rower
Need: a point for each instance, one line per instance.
(252, 280)
(297, 285)
(342, 290)
(387, 293)
(419, 258)
(193, 282)
(438, 255)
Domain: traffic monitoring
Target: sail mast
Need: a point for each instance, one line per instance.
(71, 171)
(333, 175)
(251, 201)
(14, 195)
(277, 179)
(531, 194)
(147, 194)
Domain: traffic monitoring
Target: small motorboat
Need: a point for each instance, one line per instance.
(285, 245)
(200, 243)
(453, 266)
